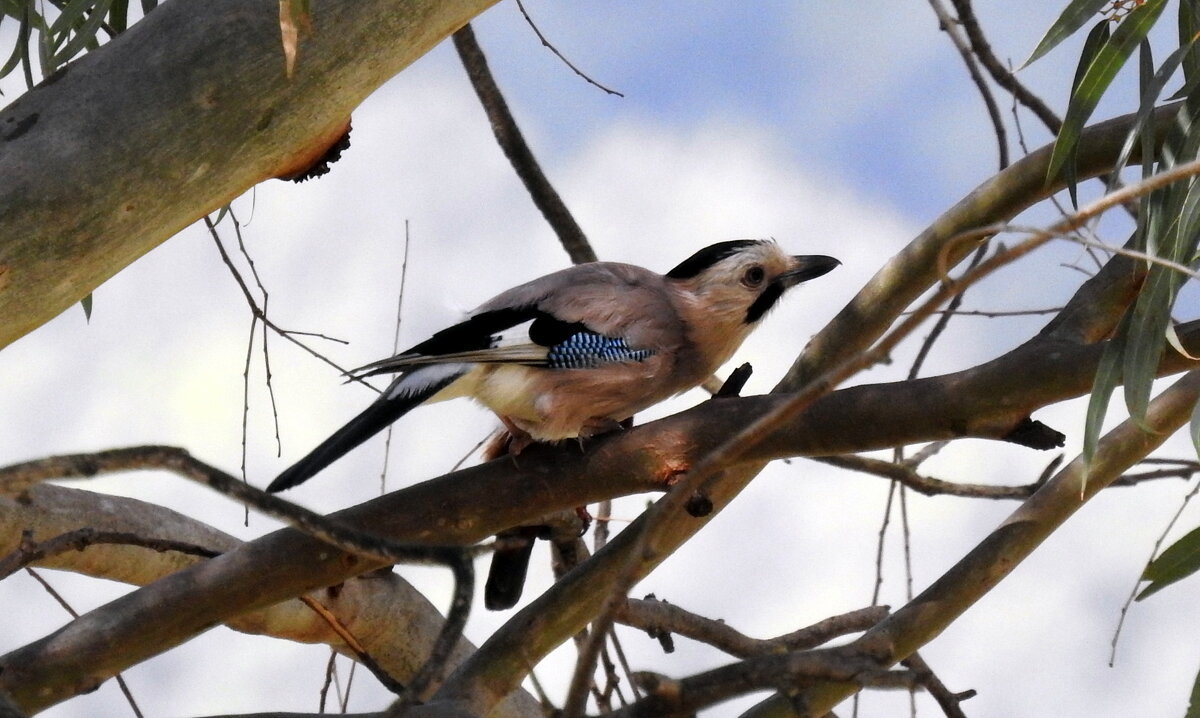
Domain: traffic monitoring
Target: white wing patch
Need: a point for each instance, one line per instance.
(431, 378)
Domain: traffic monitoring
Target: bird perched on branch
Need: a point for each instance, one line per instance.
(575, 352)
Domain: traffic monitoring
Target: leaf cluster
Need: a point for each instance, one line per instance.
(53, 33)
(1168, 220)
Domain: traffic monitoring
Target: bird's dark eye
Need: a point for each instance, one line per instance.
(754, 276)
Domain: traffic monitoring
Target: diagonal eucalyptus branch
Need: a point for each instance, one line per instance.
(927, 615)
(914, 269)
(652, 539)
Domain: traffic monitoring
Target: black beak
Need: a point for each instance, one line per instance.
(806, 267)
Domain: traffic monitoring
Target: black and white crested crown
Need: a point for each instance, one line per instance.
(710, 255)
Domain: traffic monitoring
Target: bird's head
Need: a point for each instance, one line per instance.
(740, 280)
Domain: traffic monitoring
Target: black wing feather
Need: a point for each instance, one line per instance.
(375, 418)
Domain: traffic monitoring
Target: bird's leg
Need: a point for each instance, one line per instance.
(598, 425)
(519, 439)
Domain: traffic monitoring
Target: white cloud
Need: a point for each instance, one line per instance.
(162, 362)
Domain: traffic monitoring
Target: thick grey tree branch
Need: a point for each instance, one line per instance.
(395, 623)
(174, 118)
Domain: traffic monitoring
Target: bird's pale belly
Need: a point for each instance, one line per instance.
(551, 405)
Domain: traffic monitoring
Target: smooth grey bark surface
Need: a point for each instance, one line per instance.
(174, 118)
(392, 620)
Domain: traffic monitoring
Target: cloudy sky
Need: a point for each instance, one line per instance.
(837, 128)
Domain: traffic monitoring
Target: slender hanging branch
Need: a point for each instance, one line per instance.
(504, 126)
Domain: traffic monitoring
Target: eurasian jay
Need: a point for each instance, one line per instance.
(575, 352)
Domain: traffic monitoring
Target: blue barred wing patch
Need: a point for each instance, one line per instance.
(586, 350)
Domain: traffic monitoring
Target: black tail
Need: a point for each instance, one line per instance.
(397, 400)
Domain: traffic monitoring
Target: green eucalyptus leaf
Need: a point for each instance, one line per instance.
(118, 15)
(14, 58)
(1074, 16)
(1097, 77)
(1177, 345)
(70, 15)
(1151, 89)
(1147, 339)
(1180, 560)
(46, 51)
(1196, 428)
(86, 303)
(85, 34)
(1068, 135)
(1187, 236)
(23, 40)
(1189, 27)
(1168, 227)
(1108, 376)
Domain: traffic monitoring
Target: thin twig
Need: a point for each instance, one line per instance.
(658, 617)
(949, 25)
(559, 55)
(28, 551)
(355, 646)
(433, 670)
(906, 532)
(344, 701)
(881, 540)
(930, 486)
(266, 298)
(624, 661)
(1000, 74)
(544, 702)
(330, 670)
(387, 441)
(943, 320)
(67, 607)
(588, 653)
(246, 409)
(946, 699)
(347, 538)
(992, 314)
(1162, 537)
(285, 333)
(463, 459)
(926, 453)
